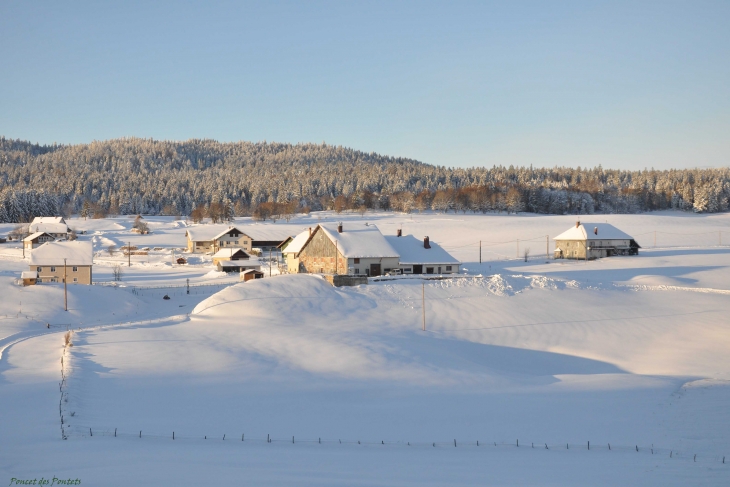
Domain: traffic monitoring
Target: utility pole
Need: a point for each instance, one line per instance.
(188, 285)
(654, 238)
(65, 295)
(547, 247)
(423, 303)
(518, 248)
(719, 237)
(269, 261)
(480, 251)
(129, 254)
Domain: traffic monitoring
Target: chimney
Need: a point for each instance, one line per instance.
(577, 224)
(426, 244)
(595, 230)
(310, 231)
(339, 228)
(399, 233)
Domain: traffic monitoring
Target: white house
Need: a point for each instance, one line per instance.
(422, 256)
(593, 241)
(211, 238)
(52, 225)
(292, 249)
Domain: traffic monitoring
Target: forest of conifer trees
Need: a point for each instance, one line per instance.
(273, 180)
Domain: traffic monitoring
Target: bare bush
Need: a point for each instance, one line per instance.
(67, 339)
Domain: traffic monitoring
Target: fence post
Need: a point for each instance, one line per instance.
(589, 445)
(115, 432)
(173, 435)
(454, 442)
(90, 433)
(241, 436)
(140, 433)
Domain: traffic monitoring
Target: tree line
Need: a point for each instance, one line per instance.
(206, 178)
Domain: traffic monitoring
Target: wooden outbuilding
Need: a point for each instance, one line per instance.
(250, 274)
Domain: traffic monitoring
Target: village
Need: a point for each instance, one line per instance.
(344, 254)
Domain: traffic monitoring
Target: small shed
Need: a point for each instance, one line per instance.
(29, 278)
(251, 274)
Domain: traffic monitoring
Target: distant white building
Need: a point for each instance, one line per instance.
(593, 241)
(422, 256)
(52, 225)
(53, 261)
(211, 238)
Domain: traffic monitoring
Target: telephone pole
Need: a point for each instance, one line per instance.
(65, 295)
(518, 248)
(129, 254)
(480, 251)
(269, 261)
(547, 247)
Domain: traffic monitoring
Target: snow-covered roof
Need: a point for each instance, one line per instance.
(205, 233)
(358, 240)
(34, 236)
(29, 275)
(249, 271)
(48, 219)
(268, 232)
(411, 251)
(48, 227)
(297, 243)
(227, 252)
(586, 231)
(53, 253)
(237, 264)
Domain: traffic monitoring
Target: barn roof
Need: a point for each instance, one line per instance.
(205, 233)
(412, 251)
(358, 240)
(34, 236)
(229, 252)
(48, 227)
(585, 231)
(53, 253)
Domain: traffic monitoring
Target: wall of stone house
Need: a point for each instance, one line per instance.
(321, 256)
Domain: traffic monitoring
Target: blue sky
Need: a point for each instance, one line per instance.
(623, 84)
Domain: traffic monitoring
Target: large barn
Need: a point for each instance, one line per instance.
(355, 249)
(593, 241)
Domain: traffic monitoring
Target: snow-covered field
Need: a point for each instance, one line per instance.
(628, 351)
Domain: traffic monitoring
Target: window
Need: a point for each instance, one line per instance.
(357, 260)
(75, 269)
(53, 279)
(448, 267)
(357, 271)
(76, 279)
(53, 269)
(39, 269)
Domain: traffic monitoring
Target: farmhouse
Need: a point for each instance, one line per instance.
(53, 225)
(356, 250)
(53, 261)
(210, 238)
(422, 256)
(593, 241)
(36, 239)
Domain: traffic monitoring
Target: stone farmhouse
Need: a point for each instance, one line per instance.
(54, 261)
(594, 241)
(355, 250)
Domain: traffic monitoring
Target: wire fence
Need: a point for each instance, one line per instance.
(641, 449)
